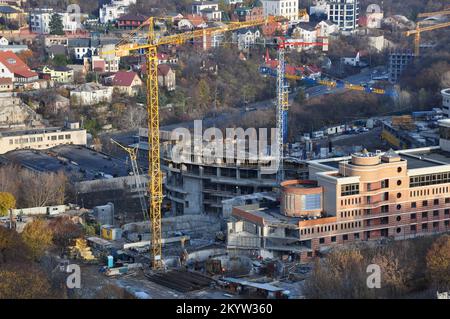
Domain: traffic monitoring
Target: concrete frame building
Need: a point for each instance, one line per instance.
(345, 13)
(368, 196)
(398, 62)
(446, 101)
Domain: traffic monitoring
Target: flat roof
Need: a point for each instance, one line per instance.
(78, 162)
(37, 131)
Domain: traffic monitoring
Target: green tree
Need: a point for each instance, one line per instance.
(37, 236)
(203, 93)
(56, 25)
(7, 201)
(60, 60)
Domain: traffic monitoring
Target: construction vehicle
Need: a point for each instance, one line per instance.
(152, 43)
(418, 30)
(133, 152)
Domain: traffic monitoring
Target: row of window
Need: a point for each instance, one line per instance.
(426, 192)
(351, 213)
(436, 202)
(38, 139)
(413, 228)
(328, 228)
(429, 179)
(350, 201)
(350, 189)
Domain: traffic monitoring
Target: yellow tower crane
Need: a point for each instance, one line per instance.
(418, 30)
(151, 47)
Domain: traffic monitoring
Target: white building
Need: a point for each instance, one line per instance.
(40, 20)
(42, 138)
(446, 101)
(199, 6)
(91, 93)
(325, 28)
(344, 13)
(108, 13)
(245, 38)
(374, 16)
(285, 8)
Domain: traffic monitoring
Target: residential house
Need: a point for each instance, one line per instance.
(191, 22)
(54, 103)
(245, 38)
(90, 94)
(12, 14)
(109, 12)
(80, 48)
(55, 50)
(131, 21)
(14, 113)
(285, 8)
(326, 27)
(166, 77)
(199, 6)
(273, 29)
(373, 17)
(128, 83)
(212, 15)
(304, 32)
(39, 20)
(164, 58)
(59, 74)
(6, 46)
(245, 14)
(12, 67)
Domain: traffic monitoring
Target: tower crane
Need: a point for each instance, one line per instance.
(132, 152)
(418, 30)
(124, 48)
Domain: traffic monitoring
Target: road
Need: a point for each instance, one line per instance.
(227, 117)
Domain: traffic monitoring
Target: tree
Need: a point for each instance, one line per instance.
(203, 93)
(300, 98)
(43, 189)
(37, 236)
(7, 202)
(438, 262)
(64, 231)
(60, 60)
(12, 248)
(56, 25)
(23, 282)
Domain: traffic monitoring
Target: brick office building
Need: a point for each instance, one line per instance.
(367, 196)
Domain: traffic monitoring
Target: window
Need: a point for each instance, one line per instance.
(399, 169)
(399, 207)
(436, 202)
(424, 214)
(399, 218)
(436, 225)
(398, 230)
(424, 226)
(413, 216)
(53, 138)
(399, 195)
(68, 136)
(333, 239)
(385, 183)
(60, 137)
(356, 236)
(309, 254)
(424, 203)
(349, 189)
(399, 182)
(321, 240)
(413, 228)
(413, 205)
(345, 237)
(385, 208)
(435, 213)
(447, 211)
(447, 200)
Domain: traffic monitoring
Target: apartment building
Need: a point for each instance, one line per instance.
(110, 12)
(285, 8)
(367, 196)
(39, 139)
(345, 13)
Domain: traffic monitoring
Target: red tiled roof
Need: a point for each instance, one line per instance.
(195, 19)
(16, 65)
(123, 78)
(164, 69)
